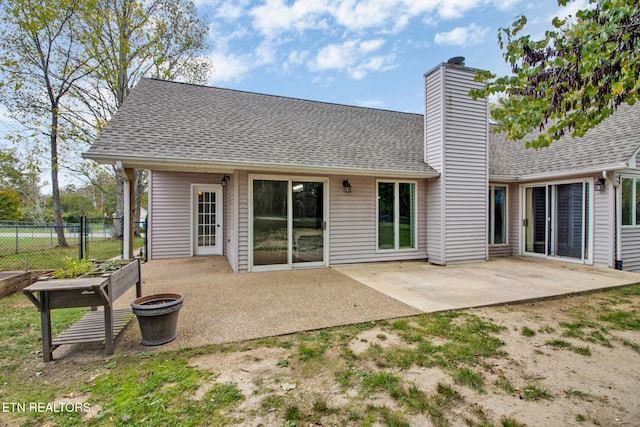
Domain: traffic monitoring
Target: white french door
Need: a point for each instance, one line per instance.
(557, 220)
(206, 220)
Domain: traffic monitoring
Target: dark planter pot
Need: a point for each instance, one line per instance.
(157, 317)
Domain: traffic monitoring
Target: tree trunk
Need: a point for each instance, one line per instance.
(55, 186)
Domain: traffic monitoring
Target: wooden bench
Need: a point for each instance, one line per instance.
(85, 292)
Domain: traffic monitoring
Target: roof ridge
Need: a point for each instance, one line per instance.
(279, 96)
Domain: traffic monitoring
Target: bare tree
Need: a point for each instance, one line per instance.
(133, 39)
(41, 62)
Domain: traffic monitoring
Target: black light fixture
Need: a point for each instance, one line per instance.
(599, 185)
(225, 180)
(346, 187)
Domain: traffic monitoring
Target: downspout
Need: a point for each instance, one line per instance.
(126, 232)
(618, 213)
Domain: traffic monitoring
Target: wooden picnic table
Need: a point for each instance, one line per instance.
(85, 292)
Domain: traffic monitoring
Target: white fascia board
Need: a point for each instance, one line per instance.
(229, 167)
(556, 175)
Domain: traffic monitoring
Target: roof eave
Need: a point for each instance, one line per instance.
(560, 174)
(217, 166)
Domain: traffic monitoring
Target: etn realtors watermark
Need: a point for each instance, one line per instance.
(42, 407)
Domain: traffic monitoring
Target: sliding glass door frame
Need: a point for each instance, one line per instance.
(551, 221)
(291, 246)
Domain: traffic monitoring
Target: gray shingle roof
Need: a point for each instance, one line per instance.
(609, 145)
(169, 122)
(174, 122)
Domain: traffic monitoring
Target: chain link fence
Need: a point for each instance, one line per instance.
(31, 246)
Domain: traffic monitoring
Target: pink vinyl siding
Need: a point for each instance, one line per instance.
(352, 223)
(170, 212)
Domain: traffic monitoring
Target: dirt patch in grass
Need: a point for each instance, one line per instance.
(571, 361)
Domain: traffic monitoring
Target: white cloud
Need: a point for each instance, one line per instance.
(372, 103)
(371, 45)
(340, 35)
(369, 13)
(295, 58)
(230, 10)
(353, 57)
(462, 36)
(571, 9)
(505, 4)
(229, 68)
(446, 9)
(336, 56)
(266, 52)
(275, 16)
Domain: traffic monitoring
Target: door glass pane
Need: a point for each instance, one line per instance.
(499, 215)
(587, 225)
(270, 237)
(308, 219)
(569, 220)
(386, 209)
(536, 219)
(206, 219)
(637, 202)
(407, 213)
(627, 201)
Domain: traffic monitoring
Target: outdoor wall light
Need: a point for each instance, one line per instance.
(225, 180)
(599, 185)
(346, 187)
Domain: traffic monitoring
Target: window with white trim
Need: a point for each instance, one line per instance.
(631, 201)
(497, 215)
(396, 215)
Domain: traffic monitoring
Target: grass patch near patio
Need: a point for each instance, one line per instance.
(438, 369)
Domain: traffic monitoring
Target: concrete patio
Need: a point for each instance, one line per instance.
(222, 307)
(503, 280)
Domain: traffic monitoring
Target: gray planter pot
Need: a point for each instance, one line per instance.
(158, 317)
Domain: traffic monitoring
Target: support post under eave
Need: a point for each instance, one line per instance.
(128, 175)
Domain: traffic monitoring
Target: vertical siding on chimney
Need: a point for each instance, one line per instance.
(456, 145)
(434, 135)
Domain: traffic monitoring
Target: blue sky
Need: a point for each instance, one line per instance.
(369, 53)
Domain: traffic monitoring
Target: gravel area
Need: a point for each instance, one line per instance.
(221, 307)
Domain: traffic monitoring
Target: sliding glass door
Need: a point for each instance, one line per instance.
(270, 222)
(307, 222)
(288, 223)
(556, 220)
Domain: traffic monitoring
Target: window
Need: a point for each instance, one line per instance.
(630, 201)
(396, 215)
(497, 215)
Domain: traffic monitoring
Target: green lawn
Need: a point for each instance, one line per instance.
(386, 236)
(439, 369)
(38, 253)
